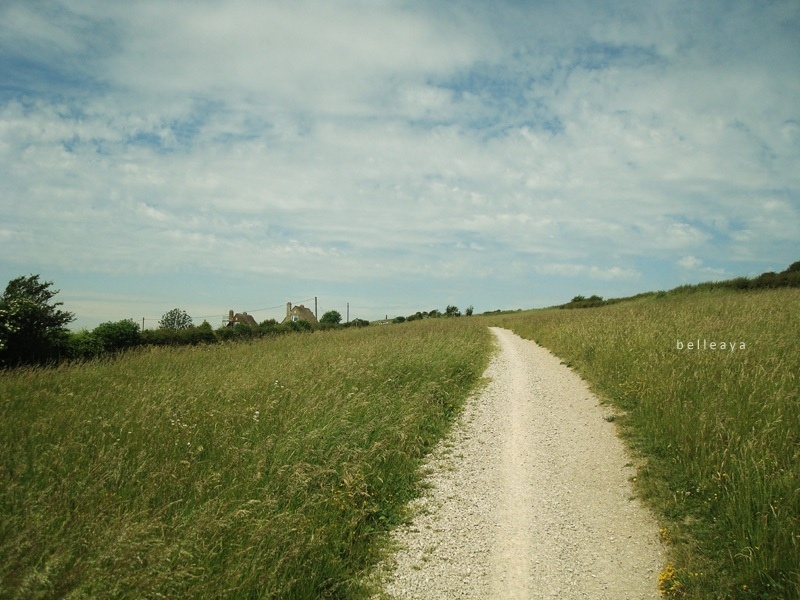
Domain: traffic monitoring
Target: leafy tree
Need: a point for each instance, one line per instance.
(793, 268)
(452, 311)
(332, 317)
(119, 335)
(32, 328)
(175, 320)
(468, 312)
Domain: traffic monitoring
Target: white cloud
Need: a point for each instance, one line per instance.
(690, 262)
(368, 142)
(590, 271)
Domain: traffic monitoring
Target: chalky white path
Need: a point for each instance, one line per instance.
(530, 496)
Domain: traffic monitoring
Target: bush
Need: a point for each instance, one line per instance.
(584, 302)
(332, 317)
(452, 311)
(84, 345)
(179, 337)
(120, 335)
(203, 334)
(225, 334)
(300, 325)
(357, 323)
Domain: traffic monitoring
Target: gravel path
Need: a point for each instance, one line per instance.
(530, 496)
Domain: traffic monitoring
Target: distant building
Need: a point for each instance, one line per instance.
(244, 318)
(299, 313)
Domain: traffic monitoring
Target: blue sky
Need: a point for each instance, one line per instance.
(399, 156)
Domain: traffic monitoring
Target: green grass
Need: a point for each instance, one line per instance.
(259, 470)
(717, 432)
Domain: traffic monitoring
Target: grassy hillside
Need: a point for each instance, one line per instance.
(717, 429)
(257, 470)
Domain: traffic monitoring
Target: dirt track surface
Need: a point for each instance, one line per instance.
(530, 496)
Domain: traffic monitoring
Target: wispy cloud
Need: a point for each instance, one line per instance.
(397, 154)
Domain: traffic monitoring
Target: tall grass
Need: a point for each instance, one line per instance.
(718, 431)
(261, 470)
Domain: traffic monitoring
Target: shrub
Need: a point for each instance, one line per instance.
(358, 323)
(178, 337)
(203, 334)
(332, 317)
(225, 334)
(452, 311)
(243, 331)
(118, 335)
(84, 345)
(300, 325)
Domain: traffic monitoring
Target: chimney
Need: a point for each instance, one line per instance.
(230, 316)
(288, 309)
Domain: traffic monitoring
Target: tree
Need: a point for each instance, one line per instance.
(452, 311)
(793, 268)
(32, 328)
(468, 312)
(332, 317)
(119, 335)
(175, 320)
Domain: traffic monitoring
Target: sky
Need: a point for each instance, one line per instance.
(394, 155)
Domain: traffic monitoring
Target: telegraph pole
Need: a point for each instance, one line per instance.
(316, 315)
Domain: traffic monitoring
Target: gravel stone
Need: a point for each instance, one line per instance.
(530, 496)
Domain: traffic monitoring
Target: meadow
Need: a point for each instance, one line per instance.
(274, 468)
(715, 432)
(251, 470)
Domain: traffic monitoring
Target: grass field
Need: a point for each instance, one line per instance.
(717, 431)
(253, 470)
(274, 468)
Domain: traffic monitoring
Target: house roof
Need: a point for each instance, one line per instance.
(302, 313)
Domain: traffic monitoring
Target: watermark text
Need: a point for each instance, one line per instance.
(717, 345)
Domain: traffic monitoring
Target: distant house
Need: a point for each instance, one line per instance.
(299, 313)
(244, 318)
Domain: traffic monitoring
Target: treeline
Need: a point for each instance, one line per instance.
(112, 337)
(450, 311)
(770, 280)
(33, 329)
